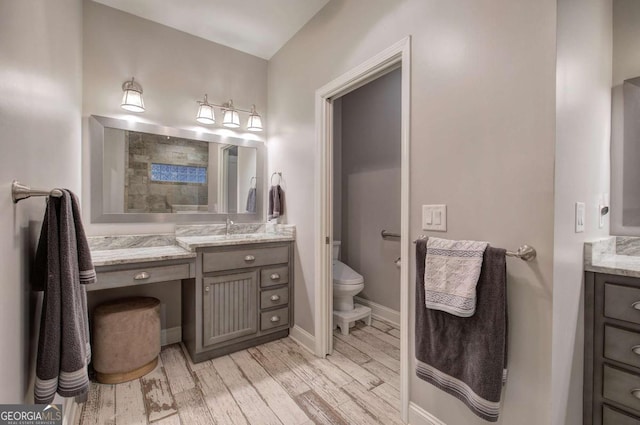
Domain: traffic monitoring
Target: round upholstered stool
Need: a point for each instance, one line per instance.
(125, 339)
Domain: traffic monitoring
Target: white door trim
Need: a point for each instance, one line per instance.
(396, 55)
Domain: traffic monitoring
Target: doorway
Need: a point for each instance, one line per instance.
(396, 57)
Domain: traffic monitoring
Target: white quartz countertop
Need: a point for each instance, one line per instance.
(613, 255)
(110, 257)
(191, 243)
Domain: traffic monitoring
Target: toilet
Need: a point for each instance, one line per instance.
(347, 283)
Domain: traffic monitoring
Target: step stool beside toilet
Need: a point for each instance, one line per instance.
(347, 283)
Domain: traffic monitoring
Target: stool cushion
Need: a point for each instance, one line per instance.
(126, 334)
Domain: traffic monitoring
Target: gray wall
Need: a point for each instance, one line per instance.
(482, 141)
(175, 70)
(369, 159)
(583, 117)
(40, 144)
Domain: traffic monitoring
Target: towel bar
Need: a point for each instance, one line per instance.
(389, 235)
(525, 252)
(21, 191)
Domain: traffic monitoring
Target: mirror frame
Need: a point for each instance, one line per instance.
(616, 223)
(97, 125)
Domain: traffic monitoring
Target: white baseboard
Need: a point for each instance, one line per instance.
(419, 416)
(380, 312)
(303, 338)
(171, 335)
(71, 410)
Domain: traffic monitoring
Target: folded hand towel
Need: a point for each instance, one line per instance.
(251, 200)
(452, 269)
(62, 265)
(276, 202)
(466, 357)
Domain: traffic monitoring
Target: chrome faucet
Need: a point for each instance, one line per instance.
(229, 224)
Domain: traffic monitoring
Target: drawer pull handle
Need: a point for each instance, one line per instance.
(206, 289)
(275, 319)
(249, 258)
(636, 349)
(142, 276)
(275, 297)
(636, 393)
(636, 305)
(275, 276)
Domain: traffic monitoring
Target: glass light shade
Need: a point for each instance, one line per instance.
(205, 114)
(132, 97)
(254, 123)
(231, 118)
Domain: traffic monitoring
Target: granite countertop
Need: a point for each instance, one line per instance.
(129, 249)
(192, 243)
(110, 257)
(617, 255)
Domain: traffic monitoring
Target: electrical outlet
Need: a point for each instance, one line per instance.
(580, 217)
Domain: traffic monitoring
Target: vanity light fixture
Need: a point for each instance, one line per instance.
(231, 118)
(132, 96)
(230, 115)
(205, 113)
(255, 122)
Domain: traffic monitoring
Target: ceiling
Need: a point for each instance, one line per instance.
(257, 27)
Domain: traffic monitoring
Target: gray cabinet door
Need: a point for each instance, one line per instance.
(229, 307)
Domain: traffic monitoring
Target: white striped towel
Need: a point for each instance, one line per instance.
(452, 269)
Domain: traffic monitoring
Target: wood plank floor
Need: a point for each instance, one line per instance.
(274, 383)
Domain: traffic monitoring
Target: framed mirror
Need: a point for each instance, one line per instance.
(148, 173)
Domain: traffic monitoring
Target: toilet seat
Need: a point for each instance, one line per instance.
(345, 275)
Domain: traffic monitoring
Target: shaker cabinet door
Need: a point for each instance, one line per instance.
(229, 306)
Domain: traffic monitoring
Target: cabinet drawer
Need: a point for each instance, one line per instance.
(622, 302)
(276, 318)
(613, 417)
(139, 276)
(621, 345)
(274, 297)
(242, 258)
(274, 276)
(621, 386)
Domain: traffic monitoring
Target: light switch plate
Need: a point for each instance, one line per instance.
(580, 217)
(434, 217)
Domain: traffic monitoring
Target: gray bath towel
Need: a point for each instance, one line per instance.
(466, 356)
(62, 265)
(251, 200)
(276, 202)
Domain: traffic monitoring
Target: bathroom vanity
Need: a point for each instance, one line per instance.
(612, 332)
(236, 290)
(241, 297)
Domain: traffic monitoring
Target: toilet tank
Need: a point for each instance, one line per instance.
(336, 249)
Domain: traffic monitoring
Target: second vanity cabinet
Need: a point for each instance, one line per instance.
(241, 297)
(612, 350)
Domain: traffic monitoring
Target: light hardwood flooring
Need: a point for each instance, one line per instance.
(275, 383)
